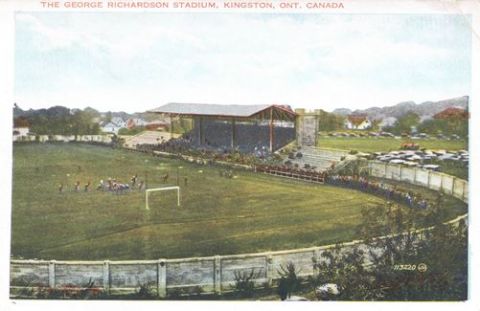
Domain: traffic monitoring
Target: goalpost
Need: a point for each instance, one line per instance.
(148, 191)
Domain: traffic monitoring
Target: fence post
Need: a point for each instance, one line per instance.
(428, 180)
(415, 175)
(217, 275)
(401, 170)
(316, 255)
(106, 276)
(269, 269)
(51, 274)
(162, 278)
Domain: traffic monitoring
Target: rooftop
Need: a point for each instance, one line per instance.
(240, 111)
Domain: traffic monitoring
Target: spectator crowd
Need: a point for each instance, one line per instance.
(390, 192)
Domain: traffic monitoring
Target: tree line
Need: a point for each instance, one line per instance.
(446, 123)
(455, 122)
(58, 120)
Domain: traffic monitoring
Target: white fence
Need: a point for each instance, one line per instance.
(434, 180)
(212, 274)
(106, 139)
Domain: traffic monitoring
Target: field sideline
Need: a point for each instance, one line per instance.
(249, 213)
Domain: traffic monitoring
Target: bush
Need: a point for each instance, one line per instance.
(87, 291)
(144, 292)
(244, 283)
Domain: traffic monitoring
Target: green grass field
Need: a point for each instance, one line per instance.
(248, 213)
(370, 144)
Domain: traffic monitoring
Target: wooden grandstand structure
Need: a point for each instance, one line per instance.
(201, 113)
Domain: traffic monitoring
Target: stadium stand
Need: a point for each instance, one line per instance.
(316, 158)
(239, 128)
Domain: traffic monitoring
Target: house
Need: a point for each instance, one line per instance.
(20, 132)
(452, 113)
(135, 122)
(157, 125)
(111, 127)
(119, 122)
(357, 122)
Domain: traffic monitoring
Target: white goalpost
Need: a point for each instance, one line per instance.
(148, 191)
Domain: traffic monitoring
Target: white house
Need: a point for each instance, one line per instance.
(111, 127)
(21, 134)
(20, 131)
(357, 122)
(119, 121)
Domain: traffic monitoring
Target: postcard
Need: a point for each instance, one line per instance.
(240, 151)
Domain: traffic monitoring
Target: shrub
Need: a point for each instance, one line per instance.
(69, 291)
(144, 292)
(244, 282)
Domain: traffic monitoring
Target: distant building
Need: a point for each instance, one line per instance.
(111, 127)
(452, 113)
(119, 122)
(157, 125)
(357, 122)
(20, 131)
(135, 122)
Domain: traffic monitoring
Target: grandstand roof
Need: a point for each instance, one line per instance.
(236, 111)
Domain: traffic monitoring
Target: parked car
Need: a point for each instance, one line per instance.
(387, 134)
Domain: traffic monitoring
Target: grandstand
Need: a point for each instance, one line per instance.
(319, 158)
(246, 128)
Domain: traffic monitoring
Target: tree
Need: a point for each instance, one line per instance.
(347, 271)
(330, 121)
(376, 124)
(405, 123)
(60, 120)
(108, 117)
(394, 272)
(434, 126)
(21, 122)
(449, 121)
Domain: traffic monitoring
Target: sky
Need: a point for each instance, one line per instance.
(134, 61)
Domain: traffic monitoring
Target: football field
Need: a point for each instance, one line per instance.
(218, 215)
